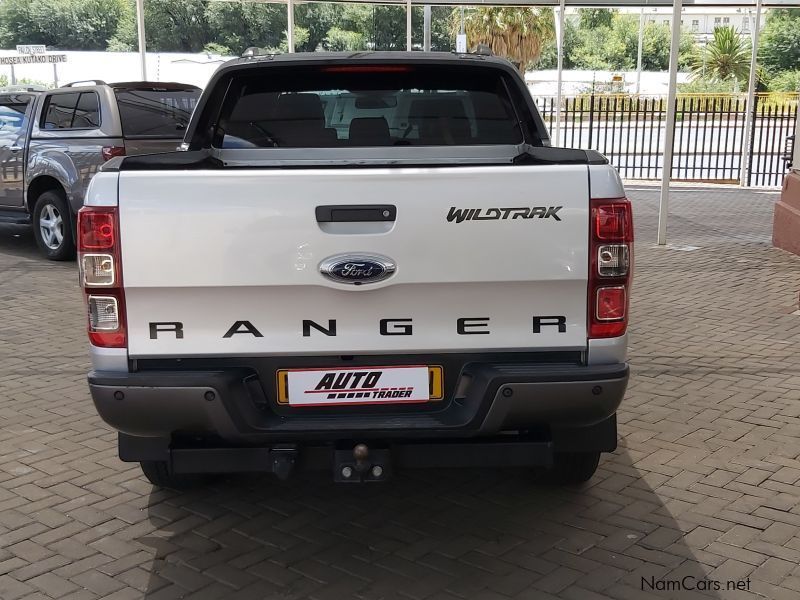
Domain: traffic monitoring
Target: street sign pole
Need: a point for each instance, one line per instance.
(290, 25)
(639, 53)
(142, 38)
(426, 26)
(669, 137)
(408, 25)
(560, 66)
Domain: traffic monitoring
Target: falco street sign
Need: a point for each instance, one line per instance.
(31, 48)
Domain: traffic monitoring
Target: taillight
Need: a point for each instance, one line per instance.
(613, 221)
(110, 152)
(100, 273)
(610, 267)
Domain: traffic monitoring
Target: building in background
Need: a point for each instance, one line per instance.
(699, 21)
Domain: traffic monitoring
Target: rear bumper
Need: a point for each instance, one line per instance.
(231, 405)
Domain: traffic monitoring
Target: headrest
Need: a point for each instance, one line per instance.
(299, 107)
(488, 106)
(369, 131)
(434, 108)
(253, 107)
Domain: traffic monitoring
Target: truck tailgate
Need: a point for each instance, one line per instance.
(233, 257)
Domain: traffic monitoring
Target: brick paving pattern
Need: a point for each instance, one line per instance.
(703, 485)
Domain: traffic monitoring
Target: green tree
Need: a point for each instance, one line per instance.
(442, 38)
(340, 40)
(389, 28)
(612, 47)
(177, 26)
(221, 49)
(687, 52)
(549, 56)
(62, 24)
(170, 26)
(786, 81)
(726, 57)
(357, 18)
(615, 47)
(779, 47)
(518, 34)
(318, 18)
(592, 18)
(705, 86)
(239, 25)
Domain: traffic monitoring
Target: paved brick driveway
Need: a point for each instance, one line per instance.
(704, 483)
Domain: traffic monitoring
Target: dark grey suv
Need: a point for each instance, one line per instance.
(52, 143)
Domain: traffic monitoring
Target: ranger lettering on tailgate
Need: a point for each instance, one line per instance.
(464, 326)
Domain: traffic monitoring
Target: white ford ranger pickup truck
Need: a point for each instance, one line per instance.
(361, 262)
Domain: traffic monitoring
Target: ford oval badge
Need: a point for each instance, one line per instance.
(357, 269)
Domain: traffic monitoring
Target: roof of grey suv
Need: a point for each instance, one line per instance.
(20, 90)
(127, 85)
(155, 85)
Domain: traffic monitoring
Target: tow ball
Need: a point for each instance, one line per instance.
(361, 464)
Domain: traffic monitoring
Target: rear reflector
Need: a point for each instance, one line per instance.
(611, 303)
(96, 230)
(613, 222)
(110, 152)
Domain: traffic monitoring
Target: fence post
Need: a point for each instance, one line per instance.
(752, 81)
(751, 142)
(591, 119)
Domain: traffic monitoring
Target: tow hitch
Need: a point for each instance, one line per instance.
(283, 459)
(361, 464)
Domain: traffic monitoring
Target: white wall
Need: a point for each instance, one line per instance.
(543, 83)
(198, 68)
(119, 66)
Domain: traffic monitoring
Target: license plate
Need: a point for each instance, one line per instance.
(360, 385)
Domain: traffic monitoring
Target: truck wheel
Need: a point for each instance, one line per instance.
(157, 472)
(574, 467)
(52, 226)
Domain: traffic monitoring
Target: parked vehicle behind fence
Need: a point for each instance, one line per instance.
(52, 143)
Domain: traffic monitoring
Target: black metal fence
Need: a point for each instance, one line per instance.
(709, 134)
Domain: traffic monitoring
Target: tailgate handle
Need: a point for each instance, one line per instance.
(356, 213)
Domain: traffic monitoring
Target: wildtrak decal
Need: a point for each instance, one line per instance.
(460, 215)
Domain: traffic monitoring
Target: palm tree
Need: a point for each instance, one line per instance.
(517, 34)
(726, 57)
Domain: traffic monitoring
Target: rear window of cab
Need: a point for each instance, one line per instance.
(344, 105)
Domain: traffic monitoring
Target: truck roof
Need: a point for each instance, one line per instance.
(392, 57)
